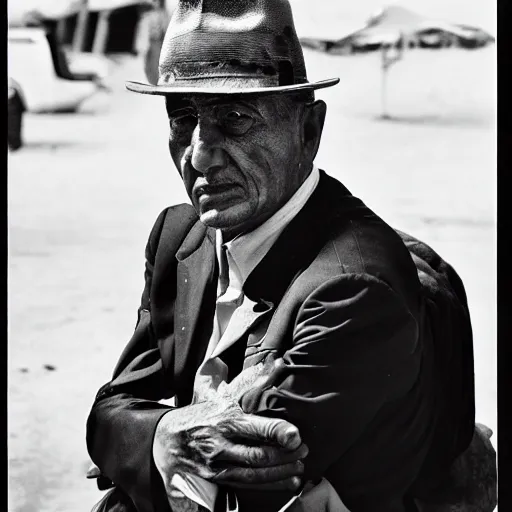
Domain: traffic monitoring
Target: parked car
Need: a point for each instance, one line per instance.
(41, 69)
(15, 109)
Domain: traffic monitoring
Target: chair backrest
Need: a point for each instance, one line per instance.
(60, 63)
(452, 337)
(471, 485)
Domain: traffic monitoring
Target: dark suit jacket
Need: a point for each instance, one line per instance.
(340, 300)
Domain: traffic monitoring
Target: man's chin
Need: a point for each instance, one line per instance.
(228, 219)
(216, 219)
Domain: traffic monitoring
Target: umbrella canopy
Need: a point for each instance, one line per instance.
(392, 23)
(389, 24)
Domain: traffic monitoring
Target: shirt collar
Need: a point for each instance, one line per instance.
(246, 251)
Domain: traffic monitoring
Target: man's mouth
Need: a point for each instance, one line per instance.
(218, 192)
(213, 189)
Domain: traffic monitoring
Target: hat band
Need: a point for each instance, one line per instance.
(219, 74)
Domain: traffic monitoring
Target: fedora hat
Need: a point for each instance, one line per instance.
(231, 47)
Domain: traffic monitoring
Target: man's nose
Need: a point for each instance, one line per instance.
(207, 151)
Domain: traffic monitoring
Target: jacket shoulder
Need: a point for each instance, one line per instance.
(177, 217)
(358, 241)
(362, 243)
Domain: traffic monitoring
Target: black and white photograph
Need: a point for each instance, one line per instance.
(252, 256)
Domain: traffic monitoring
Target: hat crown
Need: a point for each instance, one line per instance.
(232, 40)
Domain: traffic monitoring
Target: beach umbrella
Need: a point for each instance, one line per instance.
(393, 29)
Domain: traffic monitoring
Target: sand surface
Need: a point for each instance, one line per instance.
(86, 189)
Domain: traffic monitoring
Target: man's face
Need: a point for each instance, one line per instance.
(238, 158)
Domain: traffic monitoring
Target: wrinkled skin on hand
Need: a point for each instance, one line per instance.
(215, 440)
(256, 376)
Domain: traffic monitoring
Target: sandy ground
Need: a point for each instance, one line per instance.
(84, 193)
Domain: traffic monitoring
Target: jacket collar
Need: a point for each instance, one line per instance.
(245, 251)
(194, 240)
(299, 243)
(196, 277)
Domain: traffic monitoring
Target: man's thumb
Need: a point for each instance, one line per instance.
(278, 431)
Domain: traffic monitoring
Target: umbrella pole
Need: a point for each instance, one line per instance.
(383, 92)
(386, 63)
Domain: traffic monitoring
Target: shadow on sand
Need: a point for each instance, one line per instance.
(438, 120)
(49, 145)
(86, 109)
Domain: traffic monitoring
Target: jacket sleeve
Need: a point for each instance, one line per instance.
(355, 348)
(125, 413)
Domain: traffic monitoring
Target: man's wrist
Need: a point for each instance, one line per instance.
(164, 443)
(170, 438)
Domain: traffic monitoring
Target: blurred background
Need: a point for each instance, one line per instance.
(410, 129)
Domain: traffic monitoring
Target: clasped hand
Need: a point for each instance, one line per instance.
(214, 439)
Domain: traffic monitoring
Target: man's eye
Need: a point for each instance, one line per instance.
(237, 123)
(234, 115)
(183, 122)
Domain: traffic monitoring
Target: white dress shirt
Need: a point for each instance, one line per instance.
(243, 253)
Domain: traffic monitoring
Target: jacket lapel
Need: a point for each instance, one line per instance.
(195, 301)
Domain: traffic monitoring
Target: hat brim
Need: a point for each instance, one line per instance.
(165, 90)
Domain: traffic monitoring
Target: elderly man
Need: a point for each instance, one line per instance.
(311, 358)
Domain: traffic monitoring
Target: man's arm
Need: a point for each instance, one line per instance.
(123, 419)
(128, 430)
(355, 348)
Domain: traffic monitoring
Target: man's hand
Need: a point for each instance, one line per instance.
(256, 377)
(217, 441)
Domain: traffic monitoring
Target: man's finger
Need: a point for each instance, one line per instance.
(259, 475)
(261, 456)
(270, 430)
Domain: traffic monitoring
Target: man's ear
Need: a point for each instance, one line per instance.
(314, 117)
